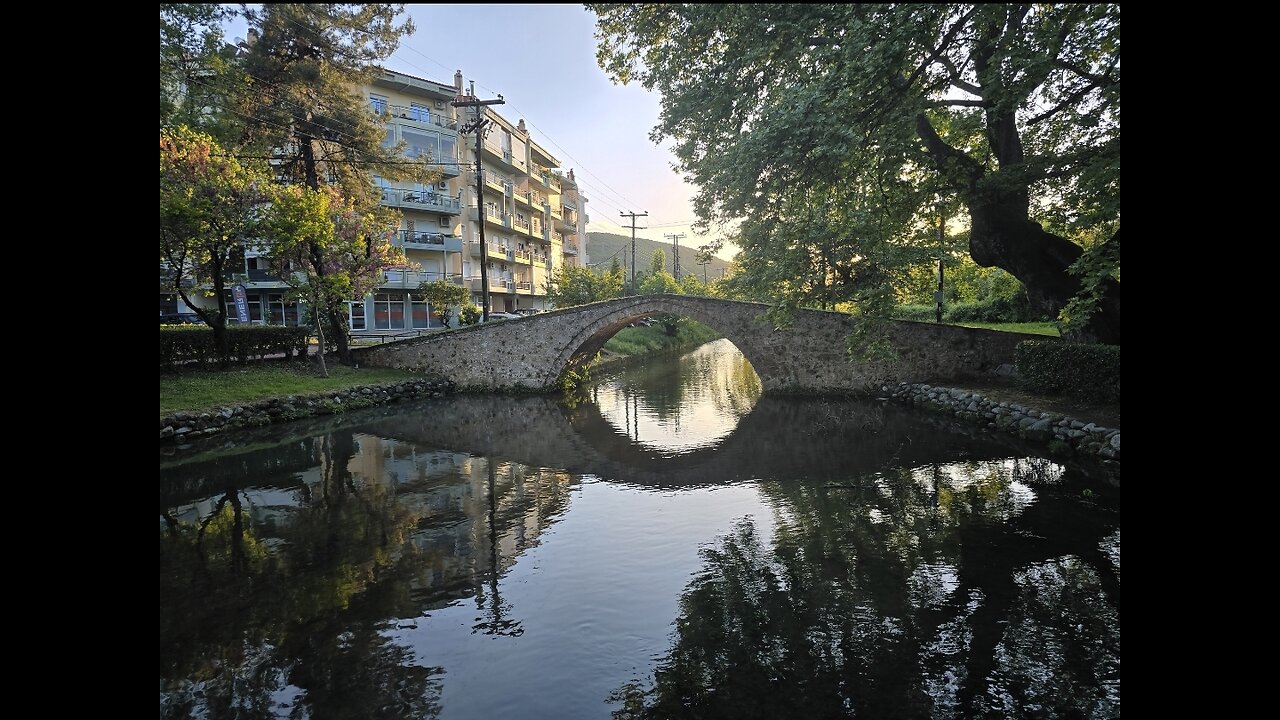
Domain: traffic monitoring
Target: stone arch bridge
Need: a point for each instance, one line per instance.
(808, 356)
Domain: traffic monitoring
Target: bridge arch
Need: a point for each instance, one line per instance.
(590, 337)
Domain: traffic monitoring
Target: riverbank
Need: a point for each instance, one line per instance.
(634, 343)
(1066, 427)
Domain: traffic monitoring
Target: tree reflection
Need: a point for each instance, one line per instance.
(964, 590)
(237, 620)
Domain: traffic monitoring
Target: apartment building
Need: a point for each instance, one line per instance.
(534, 215)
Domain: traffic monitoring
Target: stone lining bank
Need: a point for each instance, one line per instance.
(188, 426)
(1082, 437)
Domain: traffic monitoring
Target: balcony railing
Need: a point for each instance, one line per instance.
(521, 223)
(411, 279)
(422, 115)
(524, 286)
(498, 182)
(419, 200)
(430, 240)
(557, 237)
(554, 182)
(570, 249)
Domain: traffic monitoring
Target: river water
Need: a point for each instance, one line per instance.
(672, 545)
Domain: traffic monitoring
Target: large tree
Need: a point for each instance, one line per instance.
(834, 131)
(305, 65)
(211, 206)
(196, 68)
(329, 250)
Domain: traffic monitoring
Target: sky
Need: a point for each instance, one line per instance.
(541, 59)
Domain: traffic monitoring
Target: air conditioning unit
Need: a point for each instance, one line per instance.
(439, 104)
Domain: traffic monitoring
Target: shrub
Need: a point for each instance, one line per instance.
(1085, 370)
(919, 313)
(996, 309)
(181, 345)
(470, 315)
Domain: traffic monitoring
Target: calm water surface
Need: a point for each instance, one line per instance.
(675, 546)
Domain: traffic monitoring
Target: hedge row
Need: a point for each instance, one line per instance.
(1085, 370)
(1000, 309)
(182, 345)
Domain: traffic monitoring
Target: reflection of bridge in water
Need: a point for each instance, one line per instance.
(782, 437)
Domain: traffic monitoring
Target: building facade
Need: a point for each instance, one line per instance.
(534, 215)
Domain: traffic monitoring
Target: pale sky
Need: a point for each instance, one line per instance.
(541, 59)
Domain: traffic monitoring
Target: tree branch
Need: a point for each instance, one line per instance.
(945, 155)
(954, 75)
(959, 103)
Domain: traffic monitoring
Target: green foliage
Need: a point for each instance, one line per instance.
(470, 315)
(1085, 370)
(642, 340)
(657, 263)
(196, 76)
(833, 130)
(303, 104)
(659, 283)
(444, 296)
(570, 286)
(183, 344)
(210, 207)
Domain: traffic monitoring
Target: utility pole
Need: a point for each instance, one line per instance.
(633, 217)
(478, 127)
(675, 243)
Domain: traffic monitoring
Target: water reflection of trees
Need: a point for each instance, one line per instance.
(707, 372)
(966, 590)
(288, 608)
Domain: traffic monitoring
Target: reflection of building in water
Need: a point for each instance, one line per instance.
(462, 530)
(465, 524)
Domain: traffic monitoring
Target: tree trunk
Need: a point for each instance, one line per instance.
(1006, 238)
(338, 334)
(1004, 235)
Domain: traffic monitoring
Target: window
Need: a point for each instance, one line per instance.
(378, 103)
(388, 311)
(357, 314)
(255, 307)
(419, 144)
(448, 151)
(280, 312)
(419, 112)
(421, 311)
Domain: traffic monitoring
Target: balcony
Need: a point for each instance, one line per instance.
(418, 200)
(569, 249)
(423, 117)
(403, 278)
(521, 224)
(554, 182)
(496, 251)
(496, 284)
(540, 174)
(492, 216)
(524, 286)
(554, 212)
(498, 182)
(524, 257)
(419, 240)
(563, 222)
(503, 157)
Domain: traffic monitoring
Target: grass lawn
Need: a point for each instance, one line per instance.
(1035, 328)
(202, 390)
